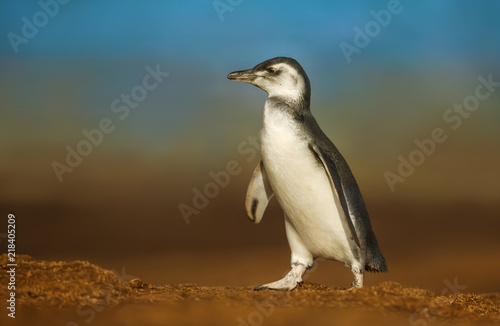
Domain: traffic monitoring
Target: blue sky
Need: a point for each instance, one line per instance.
(97, 50)
(192, 29)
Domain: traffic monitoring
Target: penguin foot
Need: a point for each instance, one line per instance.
(287, 283)
(280, 285)
(359, 280)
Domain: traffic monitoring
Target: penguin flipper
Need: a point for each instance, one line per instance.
(331, 171)
(258, 194)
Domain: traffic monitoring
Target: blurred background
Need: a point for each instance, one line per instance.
(65, 68)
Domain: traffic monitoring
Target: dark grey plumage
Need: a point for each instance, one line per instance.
(375, 261)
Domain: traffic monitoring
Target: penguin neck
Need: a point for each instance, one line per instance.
(297, 105)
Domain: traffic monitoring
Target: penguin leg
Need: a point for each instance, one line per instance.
(359, 278)
(287, 283)
(302, 260)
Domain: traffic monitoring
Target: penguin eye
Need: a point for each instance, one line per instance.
(271, 69)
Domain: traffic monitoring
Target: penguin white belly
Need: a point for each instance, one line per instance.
(303, 189)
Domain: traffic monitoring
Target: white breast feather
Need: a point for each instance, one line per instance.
(302, 188)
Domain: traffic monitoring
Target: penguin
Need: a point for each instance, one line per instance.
(324, 211)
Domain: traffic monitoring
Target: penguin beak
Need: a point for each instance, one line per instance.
(243, 75)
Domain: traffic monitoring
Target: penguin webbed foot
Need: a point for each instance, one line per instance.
(278, 286)
(287, 283)
(354, 286)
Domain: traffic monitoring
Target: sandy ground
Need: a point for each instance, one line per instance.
(429, 247)
(80, 293)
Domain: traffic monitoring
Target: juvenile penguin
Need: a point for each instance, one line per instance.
(325, 214)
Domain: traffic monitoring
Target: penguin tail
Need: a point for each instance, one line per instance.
(376, 262)
(377, 267)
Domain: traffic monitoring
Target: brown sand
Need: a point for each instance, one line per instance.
(79, 293)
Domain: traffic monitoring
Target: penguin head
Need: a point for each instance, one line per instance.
(279, 77)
